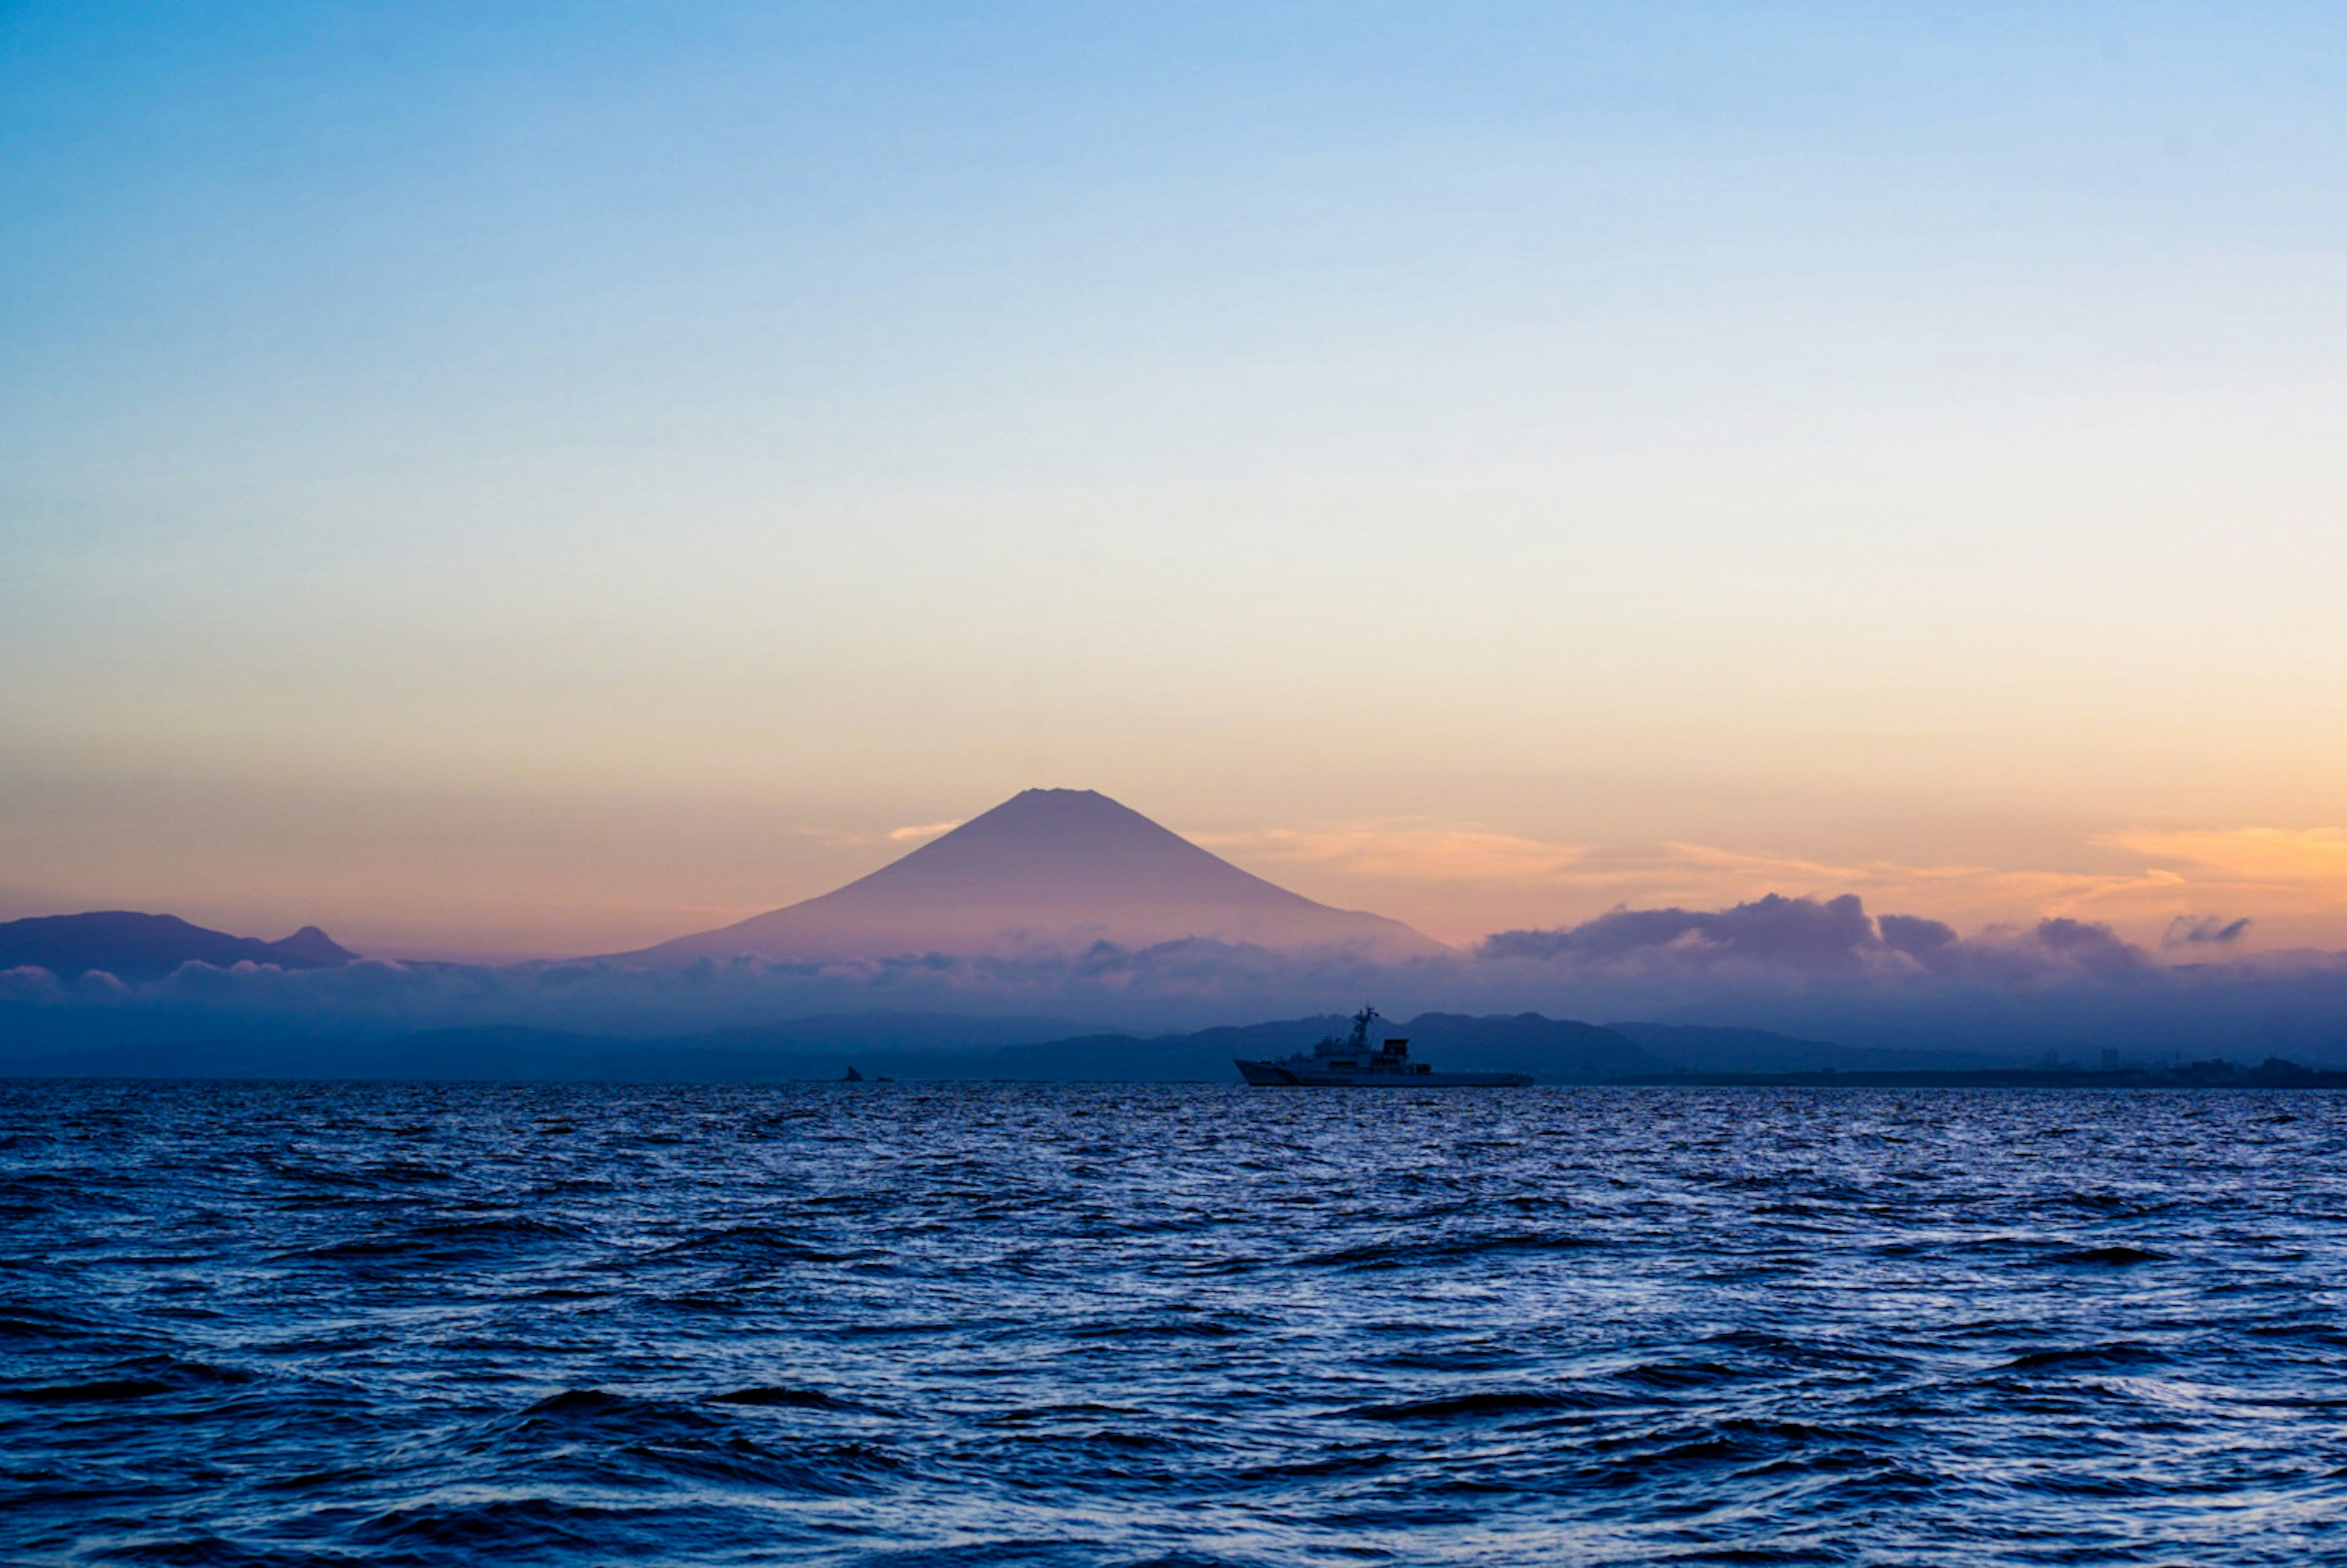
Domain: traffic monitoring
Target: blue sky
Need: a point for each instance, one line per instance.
(458, 463)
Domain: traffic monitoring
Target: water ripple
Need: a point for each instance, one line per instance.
(312, 1324)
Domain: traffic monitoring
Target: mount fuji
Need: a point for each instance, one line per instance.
(1047, 869)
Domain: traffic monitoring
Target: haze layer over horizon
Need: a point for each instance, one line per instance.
(533, 486)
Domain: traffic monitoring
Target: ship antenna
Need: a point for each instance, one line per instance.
(1361, 1022)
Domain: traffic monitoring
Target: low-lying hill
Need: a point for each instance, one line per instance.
(135, 947)
(1708, 1049)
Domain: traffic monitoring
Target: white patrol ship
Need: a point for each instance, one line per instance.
(1349, 1063)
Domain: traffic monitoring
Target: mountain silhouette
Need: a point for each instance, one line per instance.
(134, 947)
(1047, 869)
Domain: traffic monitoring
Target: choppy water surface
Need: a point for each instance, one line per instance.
(910, 1323)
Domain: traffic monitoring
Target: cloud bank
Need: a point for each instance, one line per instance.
(1822, 968)
(1803, 939)
(1458, 883)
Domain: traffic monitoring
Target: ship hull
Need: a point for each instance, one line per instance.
(1294, 1075)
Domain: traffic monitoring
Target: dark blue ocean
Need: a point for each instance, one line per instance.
(252, 1324)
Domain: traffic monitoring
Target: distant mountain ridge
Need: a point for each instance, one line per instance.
(909, 1046)
(1047, 869)
(1712, 1050)
(131, 946)
(937, 1047)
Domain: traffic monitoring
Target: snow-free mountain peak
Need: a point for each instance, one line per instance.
(1053, 869)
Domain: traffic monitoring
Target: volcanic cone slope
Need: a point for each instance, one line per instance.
(1047, 869)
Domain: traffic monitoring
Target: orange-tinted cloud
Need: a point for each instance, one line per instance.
(1406, 852)
(1464, 881)
(2304, 865)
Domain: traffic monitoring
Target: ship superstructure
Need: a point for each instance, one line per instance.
(1352, 1064)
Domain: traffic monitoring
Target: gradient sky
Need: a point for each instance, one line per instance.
(501, 480)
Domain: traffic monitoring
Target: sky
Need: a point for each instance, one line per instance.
(525, 481)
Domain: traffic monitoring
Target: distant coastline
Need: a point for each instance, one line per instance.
(2272, 1073)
